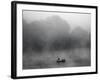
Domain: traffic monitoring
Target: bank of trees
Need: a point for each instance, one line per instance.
(38, 37)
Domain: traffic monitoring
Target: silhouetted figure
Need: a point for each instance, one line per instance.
(60, 60)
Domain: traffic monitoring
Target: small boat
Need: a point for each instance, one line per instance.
(59, 60)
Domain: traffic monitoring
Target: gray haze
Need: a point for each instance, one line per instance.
(74, 19)
(53, 40)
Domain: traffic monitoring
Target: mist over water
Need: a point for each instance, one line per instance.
(45, 40)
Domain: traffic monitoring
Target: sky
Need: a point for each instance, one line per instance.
(74, 19)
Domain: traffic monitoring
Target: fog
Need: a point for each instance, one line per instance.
(48, 36)
(74, 19)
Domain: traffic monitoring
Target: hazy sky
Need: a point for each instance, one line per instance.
(74, 19)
